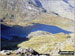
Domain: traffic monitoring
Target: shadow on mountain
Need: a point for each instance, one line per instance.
(17, 34)
(39, 4)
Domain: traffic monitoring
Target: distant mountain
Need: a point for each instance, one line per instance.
(64, 8)
(18, 12)
(27, 10)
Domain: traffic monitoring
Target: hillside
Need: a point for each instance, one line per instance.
(59, 21)
(64, 8)
(47, 26)
(47, 44)
(13, 11)
(50, 44)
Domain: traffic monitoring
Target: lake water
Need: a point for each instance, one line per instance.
(20, 31)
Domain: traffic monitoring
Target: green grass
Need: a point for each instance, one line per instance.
(46, 43)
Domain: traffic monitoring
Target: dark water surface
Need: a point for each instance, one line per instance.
(20, 31)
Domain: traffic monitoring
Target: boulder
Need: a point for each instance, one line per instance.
(19, 51)
(6, 52)
(33, 51)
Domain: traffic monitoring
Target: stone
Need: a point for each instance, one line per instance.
(29, 52)
(33, 51)
(6, 52)
(19, 51)
(44, 55)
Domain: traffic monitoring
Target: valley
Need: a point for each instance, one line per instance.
(45, 26)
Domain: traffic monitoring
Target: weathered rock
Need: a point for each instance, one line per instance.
(29, 52)
(44, 55)
(25, 9)
(38, 33)
(6, 52)
(19, 51)
(33, 51)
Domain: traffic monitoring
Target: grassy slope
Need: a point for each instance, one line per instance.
(59, 21)
(44, 18)
(47, 43)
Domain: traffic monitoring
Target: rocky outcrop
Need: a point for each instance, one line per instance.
(38, 33)
(18, 10)
(6, 52)
(64, 8)
(23, 52)
(29, 52)
(27, 10)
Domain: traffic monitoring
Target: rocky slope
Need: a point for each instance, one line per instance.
(26, 10)
(50, 44)
(22, 17)
(64, 8)
(18, 10)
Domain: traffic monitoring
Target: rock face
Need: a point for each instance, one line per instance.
(6, 52)
(15, 9)
(29, 52)
(27, 10)
(64, 8)
(23, 52)
(38, 33)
